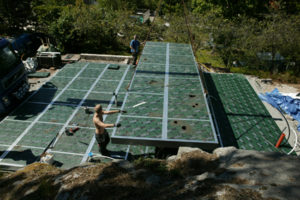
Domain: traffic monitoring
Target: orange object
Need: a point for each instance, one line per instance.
(75, 129)
(280, 140)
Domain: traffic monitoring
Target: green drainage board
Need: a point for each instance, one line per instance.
(242, 118)
(165, 103)
(59, 104)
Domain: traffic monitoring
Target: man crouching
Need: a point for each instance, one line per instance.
(101, 133)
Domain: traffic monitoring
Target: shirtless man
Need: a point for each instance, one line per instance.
(101, 133)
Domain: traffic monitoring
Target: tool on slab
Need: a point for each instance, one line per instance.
(114, 67)
(45, 157)
(87, 110)
(71, 131)
(139, 104)
(116, 99)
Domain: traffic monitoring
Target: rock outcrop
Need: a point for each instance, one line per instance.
(227, 173)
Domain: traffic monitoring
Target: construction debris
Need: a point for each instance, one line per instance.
(71, 131)
(114, 67)
(39, 75)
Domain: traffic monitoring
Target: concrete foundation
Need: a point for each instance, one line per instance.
(116, 59)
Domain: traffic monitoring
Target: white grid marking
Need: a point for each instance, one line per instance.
(40, 115)
(78, 106)
(166, 98)
(205, 100)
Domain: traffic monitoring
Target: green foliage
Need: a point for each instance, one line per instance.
(14, 15)
(243, 39)
(207, 56)
(177, 32)
(203, 6)
(128, 4)
(114, 4)
(82, 28)
(235, 31)
(171, 6)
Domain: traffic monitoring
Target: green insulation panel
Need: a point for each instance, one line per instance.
(61, 104)
(165, 101)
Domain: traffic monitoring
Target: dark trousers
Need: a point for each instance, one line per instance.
(134, 56)
(103, 140)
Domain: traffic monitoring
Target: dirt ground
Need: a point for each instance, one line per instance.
(36, 83)
(261, 87)
(282, 87)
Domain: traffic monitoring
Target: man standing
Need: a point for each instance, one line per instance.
(134, 48)
(101, 133)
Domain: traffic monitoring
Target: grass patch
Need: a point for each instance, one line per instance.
(205, 56)
(213, 59)
(285, 77)
(245, 70)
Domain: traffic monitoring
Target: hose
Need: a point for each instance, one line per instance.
(296, 142)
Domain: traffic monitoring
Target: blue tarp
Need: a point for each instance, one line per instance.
(286, 103)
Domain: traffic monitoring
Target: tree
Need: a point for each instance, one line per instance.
(15, 15)
(83, 28)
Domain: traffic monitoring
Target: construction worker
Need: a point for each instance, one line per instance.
(134, 48)
(101, 133)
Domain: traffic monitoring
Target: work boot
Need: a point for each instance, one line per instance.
(105, 152)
